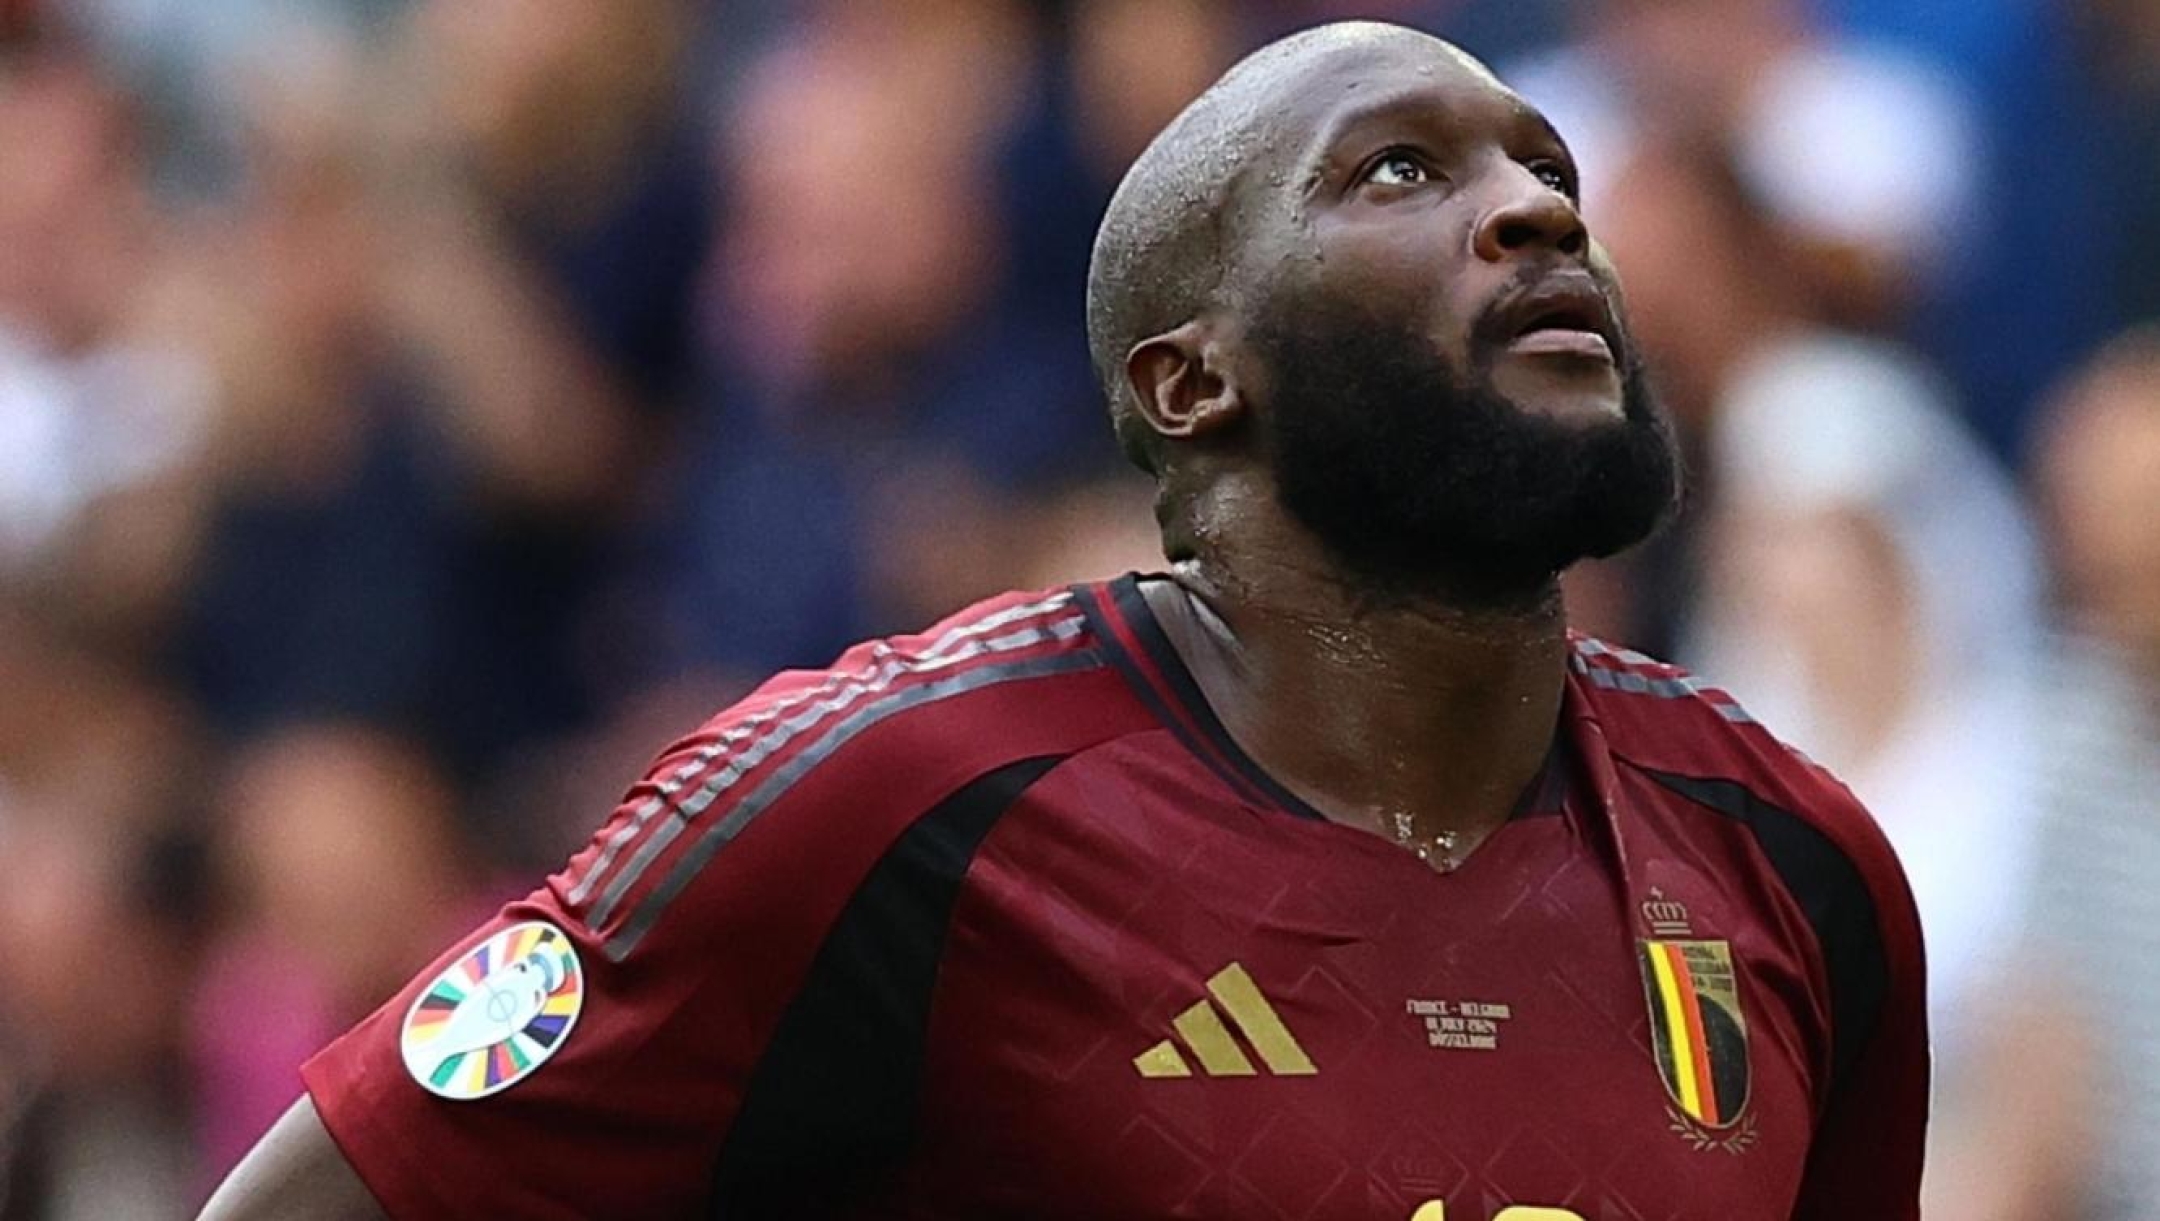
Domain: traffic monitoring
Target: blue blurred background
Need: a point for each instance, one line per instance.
(413, 412)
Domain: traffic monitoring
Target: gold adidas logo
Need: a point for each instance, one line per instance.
(1216, 1048)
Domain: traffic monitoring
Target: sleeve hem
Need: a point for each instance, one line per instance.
(392, 1173)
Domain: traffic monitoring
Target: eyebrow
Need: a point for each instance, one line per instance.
(1546, 125)
(1395, 103)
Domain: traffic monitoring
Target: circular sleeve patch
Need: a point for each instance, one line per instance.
(495, 1014)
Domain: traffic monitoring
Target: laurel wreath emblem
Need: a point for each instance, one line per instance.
(1737, 1141)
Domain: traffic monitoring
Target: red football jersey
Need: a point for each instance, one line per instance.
(997, 921)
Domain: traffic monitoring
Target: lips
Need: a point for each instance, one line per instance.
(1565, 314)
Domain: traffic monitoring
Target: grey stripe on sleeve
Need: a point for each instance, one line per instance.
(882, 655)
(713, 838)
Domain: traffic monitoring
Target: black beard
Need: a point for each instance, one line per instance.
(1425, 483)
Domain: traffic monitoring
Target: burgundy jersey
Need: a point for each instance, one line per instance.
(998, 922)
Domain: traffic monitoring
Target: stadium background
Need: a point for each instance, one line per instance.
(414, 412)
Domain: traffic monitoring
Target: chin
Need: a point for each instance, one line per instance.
(1585, 402)
(1586, 411)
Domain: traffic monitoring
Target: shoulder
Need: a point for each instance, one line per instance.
(772, 891)
(1694, 743)
(817, 771)
(1692, 736)
(906, 691)
(974, 689)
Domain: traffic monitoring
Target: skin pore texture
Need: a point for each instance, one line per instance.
(1347, 312)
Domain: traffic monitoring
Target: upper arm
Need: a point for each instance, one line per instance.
(674, 945)
(1869, 1144)
(294, 1174)
(653, 972)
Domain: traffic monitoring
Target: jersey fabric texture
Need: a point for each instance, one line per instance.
(997, 921)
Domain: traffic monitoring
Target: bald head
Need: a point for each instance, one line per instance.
(1348, 298)
(1167, 249)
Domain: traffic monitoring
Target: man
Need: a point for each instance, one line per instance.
(1326, 877)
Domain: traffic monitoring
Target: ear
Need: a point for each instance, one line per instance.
(1183, 384)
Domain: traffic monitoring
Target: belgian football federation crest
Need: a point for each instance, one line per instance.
(1700, 1037)
(495, 1014)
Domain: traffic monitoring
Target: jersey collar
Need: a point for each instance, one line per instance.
(1135, 640)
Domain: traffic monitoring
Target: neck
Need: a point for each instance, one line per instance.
(1370, 709)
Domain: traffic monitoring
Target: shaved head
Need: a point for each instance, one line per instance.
(1352, 282)
(1166, 247)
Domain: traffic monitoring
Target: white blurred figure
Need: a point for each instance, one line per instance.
(1873, 589)
(98, 420)
(2080, 1082)
(1824, 130)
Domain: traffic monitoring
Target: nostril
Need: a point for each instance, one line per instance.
(1548, 224)
(1516, 234)
(1519, 233)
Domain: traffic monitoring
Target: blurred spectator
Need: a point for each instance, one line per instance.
(192, 67)
(1135, 64)
(1870, 160)
(309, 822)
(2120, 45)
(463, 315)
(2078, 1102)
(1493, 30)
(2039, 277)
(886, 395)
(99, 422)
(96, 953)
(99, 929)
(2100, 469)
(1957, 178)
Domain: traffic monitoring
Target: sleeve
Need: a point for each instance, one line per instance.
(1865, 1161)
(584, 1053)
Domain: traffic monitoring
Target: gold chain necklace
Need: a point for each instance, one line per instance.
(1436, 850)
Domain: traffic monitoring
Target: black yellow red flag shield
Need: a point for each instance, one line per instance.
(1696, 1027)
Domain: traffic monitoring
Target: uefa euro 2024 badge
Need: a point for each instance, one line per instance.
(495, 1014)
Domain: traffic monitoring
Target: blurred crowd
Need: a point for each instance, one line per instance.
(413, 412)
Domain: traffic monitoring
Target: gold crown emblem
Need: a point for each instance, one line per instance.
(1662, 912)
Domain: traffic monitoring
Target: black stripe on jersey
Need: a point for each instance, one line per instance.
(1135, 676)
(1220, 750)
(832, 1103)
(1832, 895)
(1135, 673)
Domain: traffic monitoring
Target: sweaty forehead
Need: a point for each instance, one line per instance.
(1331, 88)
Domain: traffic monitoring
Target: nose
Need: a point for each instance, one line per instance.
(1528, 216)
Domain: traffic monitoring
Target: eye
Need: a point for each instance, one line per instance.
(1397, 168)
(1556, 175)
